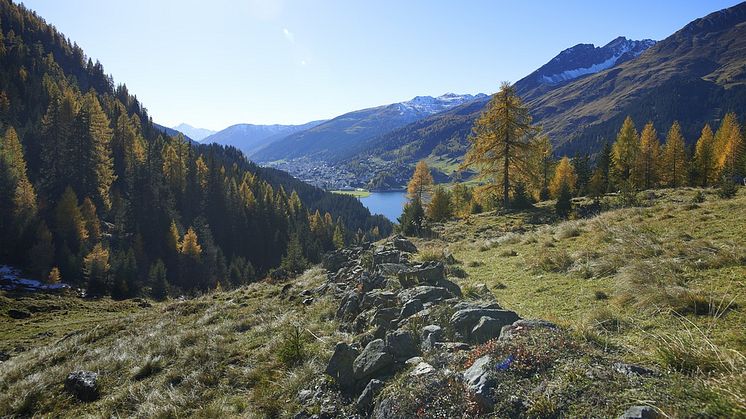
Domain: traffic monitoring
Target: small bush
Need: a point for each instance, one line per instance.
(431, 254)
(567, 231)
(475, 264)
(508, 253)
(152, 366)
(292, 349)
(559, 261)
(698, 198)
(727, 189)
(600, 295)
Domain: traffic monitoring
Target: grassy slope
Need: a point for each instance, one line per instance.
(355, 193)
(226, 354)
(214, 356)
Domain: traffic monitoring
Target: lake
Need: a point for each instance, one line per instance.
(389, 204)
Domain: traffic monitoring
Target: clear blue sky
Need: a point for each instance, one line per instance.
(216, 63)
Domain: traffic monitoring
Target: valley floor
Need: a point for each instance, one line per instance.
(659, 286)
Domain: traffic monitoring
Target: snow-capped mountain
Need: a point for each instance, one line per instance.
(583, 59)
(431, 105)
(337, 136)
(197, 134)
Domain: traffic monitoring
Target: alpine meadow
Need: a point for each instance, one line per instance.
(570, 244)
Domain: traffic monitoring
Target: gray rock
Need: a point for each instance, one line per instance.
(452, 346)
(378, 299)
(414, 360)
(487, 328)
(400, 243)
(365, 401)
(411, 307)
(465, 320)
(480, 381)
(402, 345)
(384, 317)
(423, 368)
(304, 396)
(307, 301)
(425, 293)
(387, 256)
(391, 269)
(639, 412)
(349, 307)
(334, 261)
(426, 273)
(486, 305)
(451, 286)
(430, 335)
(83, 385)
(631, 370)
(373, 361)
(340, 366)
(511, 330)
(387, 408)
(369, 282)
(18, 314)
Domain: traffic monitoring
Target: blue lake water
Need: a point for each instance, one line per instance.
(389, 204)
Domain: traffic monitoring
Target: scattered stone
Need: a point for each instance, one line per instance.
(511, 330)
(349, 307)
(83, 385)
(307, 301)
(18, 314)
(334, 261)
(144, 304)
(304, 396)
(451, 286)
(426, 273)
(285, 289)
(4, 356)
(378, 299)
(465, 320)
(402, 345)
(391, 269)
(452, 346)
(374, 361)
(387, 256)
(425, 293)
(306, 293)
(485, 305)
(400, 243)
(414, 360)
(631, 370)
(370, 282)
(640, 412)
(365, 401)
(423, 368)
(487, 328)
(479, 381)
(430, 335)
(340, 366)
(411, 307)
(384, 317)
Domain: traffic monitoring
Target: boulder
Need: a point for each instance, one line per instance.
(373, 362)
(509, 331)
(391, 269)
(400, 243)
(423, 368)
(483, 304)
(369, 282)
(365, 401)
(384, 317)
(425, 293)
(18, 314)
(465, 320)
(340, 366)
(402, 345)
(451, 286)
(83, 385)
(640, 412)
(378, 299)
(334, 261)
(487, 328)
(387, 256)
(349, 307)
(426, 273)
(480, 381)
(411, 307)
(430, 335)
(452, 346)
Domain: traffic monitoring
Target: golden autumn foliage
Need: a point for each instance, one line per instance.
(564, 175)
(420, 184)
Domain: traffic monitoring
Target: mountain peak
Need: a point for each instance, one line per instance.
(197, 134)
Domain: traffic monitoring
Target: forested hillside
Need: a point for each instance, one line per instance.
(94, 194)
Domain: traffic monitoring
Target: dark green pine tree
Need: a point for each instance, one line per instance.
(157, 277)
(294, 261)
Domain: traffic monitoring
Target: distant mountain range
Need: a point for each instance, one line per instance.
(343, 133)
(197, 134)
(251, 138)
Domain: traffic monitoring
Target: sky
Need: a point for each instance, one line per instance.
(217, 63)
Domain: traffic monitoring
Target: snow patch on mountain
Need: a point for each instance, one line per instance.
(609, 55)
(428, 105)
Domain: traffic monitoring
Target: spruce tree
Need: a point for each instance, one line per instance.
(157, 277)
(564, 202)
(294, 261)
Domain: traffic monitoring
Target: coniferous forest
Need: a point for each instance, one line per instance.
(93, 194)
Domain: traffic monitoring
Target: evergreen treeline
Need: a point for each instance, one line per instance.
(93, 194)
